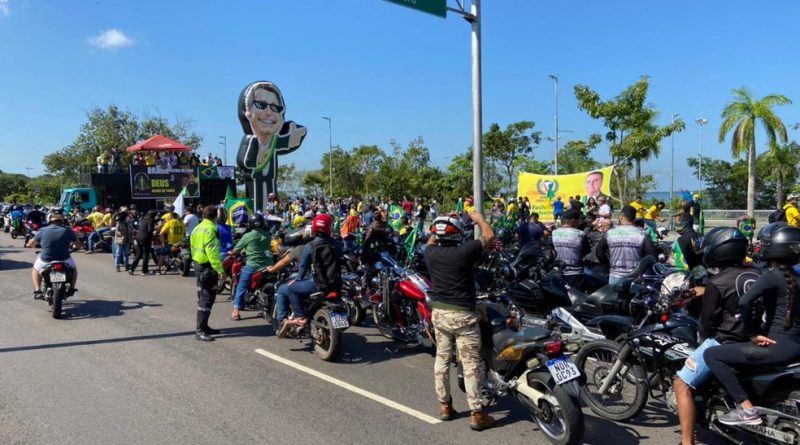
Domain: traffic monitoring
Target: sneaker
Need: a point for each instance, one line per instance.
(38, 295)
(300, 322)
(285, 327)
(740, 416)
(117, 268)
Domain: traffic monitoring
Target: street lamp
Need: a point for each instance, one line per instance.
(555, 136)
(224, 142)
(701, 121)
(672, 162)
(330, 153)
(29, 170)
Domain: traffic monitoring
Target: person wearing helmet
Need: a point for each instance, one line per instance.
(723, 254)
(322, 255)
(451, 263)
(55, 240)
(255, 243)
(97, 218)
(774, 343)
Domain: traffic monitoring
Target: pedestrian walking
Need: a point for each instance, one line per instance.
(144, 242)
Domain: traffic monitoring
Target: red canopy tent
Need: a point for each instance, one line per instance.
(158, 143)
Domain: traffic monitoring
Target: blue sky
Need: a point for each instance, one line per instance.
(382, 71)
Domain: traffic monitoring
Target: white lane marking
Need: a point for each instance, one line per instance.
(362, 392)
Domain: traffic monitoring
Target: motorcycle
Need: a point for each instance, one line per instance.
(530, 364)
(57, 279)
(180, 258)
(401, 307)
(260, 294)
(31, 229)
(353, 296)
(17, 228)
(325, 326)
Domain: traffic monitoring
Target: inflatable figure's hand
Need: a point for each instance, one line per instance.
(296, 134)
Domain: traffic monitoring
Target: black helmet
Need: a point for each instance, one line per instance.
(256, 221)
(505, 235)
(723, 246)
(783, 245)
(765, 233)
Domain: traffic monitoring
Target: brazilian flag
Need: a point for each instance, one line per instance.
(395, 213)
(239, 210)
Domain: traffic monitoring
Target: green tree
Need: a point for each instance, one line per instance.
(781, 167)
(368, 158)
(574, 156)
(631, 132)
(313, 183)
(506, 147)
(288, 178)
(12, 183)
(108, 128)
(741, 116)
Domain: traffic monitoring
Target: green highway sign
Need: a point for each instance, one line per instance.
(435, 7)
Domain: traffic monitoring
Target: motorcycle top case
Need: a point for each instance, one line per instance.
(539, 299)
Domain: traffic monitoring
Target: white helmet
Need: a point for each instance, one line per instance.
(447, 228)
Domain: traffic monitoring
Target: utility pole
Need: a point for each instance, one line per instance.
(555, 136)
(330, 154)
(701, 121)
(224, 142)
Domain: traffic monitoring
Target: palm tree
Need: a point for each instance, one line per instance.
(743, 113)
(782, 164)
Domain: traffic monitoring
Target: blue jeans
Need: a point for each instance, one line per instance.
(652, 224)
(96, 236)
(242, 285)
(292, 294)
(350, 244)
(615, 280)
(695, 376)
(121, 254)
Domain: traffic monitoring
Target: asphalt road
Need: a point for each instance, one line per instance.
(122, 367)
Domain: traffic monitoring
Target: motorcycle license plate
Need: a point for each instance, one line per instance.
(58, 277)
(339, 321)
(563, 369)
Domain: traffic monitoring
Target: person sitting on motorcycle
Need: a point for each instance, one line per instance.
(16, 217)
(302, 285)
(101, 220)
(451, 265)
(775, 344)
(36, 216)
(624, 246)
(172, 232)
(255, 244)
(724, 250)
(292, 256)
(377, 238)
(685, 248)
(571, 245)
(55, 240)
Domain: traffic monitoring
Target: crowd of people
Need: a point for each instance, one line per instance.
(110, 161)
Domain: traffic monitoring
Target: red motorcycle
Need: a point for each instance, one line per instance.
(82, 229)
(260, 294)
(401, 307)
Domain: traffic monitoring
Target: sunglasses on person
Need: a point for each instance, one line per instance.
(261, 105)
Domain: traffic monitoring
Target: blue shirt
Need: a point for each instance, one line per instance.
(225, 239)
(55, 241)
(558, 207)
(529, 232)
(368, 217)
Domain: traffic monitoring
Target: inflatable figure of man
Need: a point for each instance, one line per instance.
(267, 135)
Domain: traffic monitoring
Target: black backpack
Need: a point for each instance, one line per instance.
(327, 275)
(776, 216)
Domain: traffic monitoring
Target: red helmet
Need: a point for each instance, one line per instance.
(470, 200)
(322, 223)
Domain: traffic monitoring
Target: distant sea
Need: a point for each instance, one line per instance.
(659, 196)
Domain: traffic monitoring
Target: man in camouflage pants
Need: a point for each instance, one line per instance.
(451, 264)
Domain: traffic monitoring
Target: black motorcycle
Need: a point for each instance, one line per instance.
(326, 322)
(530, 364)
(57, 279)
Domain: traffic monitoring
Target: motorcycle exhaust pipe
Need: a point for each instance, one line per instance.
(386, 295)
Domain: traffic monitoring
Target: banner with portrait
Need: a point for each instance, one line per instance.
(155, 182)
(544, 190)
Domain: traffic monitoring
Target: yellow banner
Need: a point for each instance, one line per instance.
(544, 190)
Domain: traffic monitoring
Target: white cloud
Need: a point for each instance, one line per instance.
(110, 39)
(5, 8)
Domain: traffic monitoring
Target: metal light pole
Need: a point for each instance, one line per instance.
(330, 154)
(672, 163)
(555, 136)
(474, 20)
(224, 142)
(701, 121)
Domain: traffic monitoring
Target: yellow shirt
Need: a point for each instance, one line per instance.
(97, 219)
(360, 207)
(298, 221)
(792, 215)
(468, 208)
(652, 213)
(149, 160)
(175, 231)
(640, 210)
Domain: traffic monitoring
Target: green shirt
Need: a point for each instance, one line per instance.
(205, 245)
(255, 244)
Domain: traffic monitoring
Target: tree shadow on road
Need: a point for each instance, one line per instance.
(14, 265)
(82, 309)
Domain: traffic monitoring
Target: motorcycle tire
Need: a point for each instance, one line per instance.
(329, 344)
(562, 424)
(355, 312)
(606, 351)
(376, 317)
(186, 267)
(13, 234)
(59, 290)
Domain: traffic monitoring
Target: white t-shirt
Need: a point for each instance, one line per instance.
(190, 221)
(604, 211)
